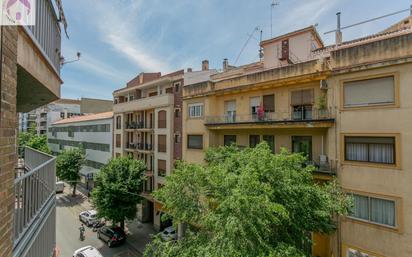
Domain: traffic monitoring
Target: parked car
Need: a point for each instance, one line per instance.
(169, 234)
(88, 217)
(59, 187)
(87, 251)
(111, 235)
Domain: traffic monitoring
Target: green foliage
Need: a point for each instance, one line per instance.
(118, 188)
(31, 139)
(68, 165)
(247, 203)
(321, 103)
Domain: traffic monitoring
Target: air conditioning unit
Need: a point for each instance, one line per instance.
(323, 84)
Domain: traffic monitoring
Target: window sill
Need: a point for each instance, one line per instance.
(369, 107)
(372, 224)
(372, 164)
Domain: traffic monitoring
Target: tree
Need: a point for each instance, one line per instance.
(69, 163)
(118, 188)
(247, 203)
(31, 139)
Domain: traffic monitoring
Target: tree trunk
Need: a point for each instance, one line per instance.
(74, 189)
(122, 224)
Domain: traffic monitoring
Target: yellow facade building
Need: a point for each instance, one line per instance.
(346, 106)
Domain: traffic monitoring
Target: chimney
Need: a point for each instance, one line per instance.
(189, 70)
(338, 33)
(225, 64)
(205, 65)
(141, 78)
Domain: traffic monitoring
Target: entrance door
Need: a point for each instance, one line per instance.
(302, 144)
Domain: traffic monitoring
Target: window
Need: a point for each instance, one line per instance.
(370, 149)
(70, 132)
(302, 144)
(270, 140)
(195, 141)
(118, 140)
(369, 92)
(177, 139)
(161, 119)
(177, 113)
(161, 168)
(230, 108)
(229, 140)
(269, 103)
(169, 90)
(118, 122)
(374, 210)
(177, 86)
(254, 140)
(62, 115)
(301, 102)
(161, 143)
(254, 106)
(195, 110)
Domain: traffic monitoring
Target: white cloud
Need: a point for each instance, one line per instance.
(119, 29)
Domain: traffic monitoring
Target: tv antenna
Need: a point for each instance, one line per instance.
(272, 6)
(247, 41)
(63, 60)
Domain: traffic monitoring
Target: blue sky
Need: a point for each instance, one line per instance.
(120, 38)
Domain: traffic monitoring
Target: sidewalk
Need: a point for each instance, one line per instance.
(139, 234)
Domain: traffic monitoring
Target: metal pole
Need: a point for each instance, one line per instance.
(338, 34)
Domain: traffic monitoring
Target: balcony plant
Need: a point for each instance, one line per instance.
(321, 106)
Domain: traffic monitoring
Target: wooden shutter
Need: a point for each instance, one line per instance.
(161, 143)
(296, 98)
(161, 119)
(161, 167)
(269, 103)
(307, 96)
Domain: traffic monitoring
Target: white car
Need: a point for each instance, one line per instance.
(59, 187)
(87, 251)
(88, 217)
(169, 234)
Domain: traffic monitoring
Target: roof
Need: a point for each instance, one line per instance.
(67, 101)
(97, 116)
(311, 29)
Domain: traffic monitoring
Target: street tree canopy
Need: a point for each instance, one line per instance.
(118, 188)
(68, 165)
(31, 139)
(247, 203)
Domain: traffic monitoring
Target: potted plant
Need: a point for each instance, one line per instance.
(322, 106)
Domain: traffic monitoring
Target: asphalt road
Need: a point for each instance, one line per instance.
(67, 231)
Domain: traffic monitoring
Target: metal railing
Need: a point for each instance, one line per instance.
(138, 125)
(140, 146)
(34, 208)
(46, 33)
(293, 116)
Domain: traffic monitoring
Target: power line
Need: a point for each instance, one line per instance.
(373, 19)
(244, 45)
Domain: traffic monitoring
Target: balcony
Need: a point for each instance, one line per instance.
(324, 168)
(138, 125)
(34, 208)
(140, 147)
(306, 118)
(146, 103)
(38, 58)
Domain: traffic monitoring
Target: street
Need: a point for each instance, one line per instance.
(67, 234)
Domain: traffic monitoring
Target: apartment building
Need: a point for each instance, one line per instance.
(93, 133)
(148, 127)
(344, 106)
(30, 78)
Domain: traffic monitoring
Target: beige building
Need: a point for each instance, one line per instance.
(345, 106)
(147, 126)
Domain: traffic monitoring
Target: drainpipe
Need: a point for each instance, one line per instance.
(338, 33)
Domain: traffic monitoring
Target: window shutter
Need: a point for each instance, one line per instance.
(269, 103)
(161, 119)
(307, 96)
(231, 106)
(296, 98)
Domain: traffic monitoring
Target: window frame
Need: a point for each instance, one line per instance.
(161, 122)
(201, 110)
(368, 154)
(396, 103)
(398, 211)
(194, 148)
(158, 144)
(398, 153)
(233, 141)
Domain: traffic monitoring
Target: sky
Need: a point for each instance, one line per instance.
(118, 39)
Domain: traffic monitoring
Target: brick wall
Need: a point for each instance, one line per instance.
(8, 127)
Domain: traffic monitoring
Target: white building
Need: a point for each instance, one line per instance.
(94, 133)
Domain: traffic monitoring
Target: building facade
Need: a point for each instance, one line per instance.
(30, 77)
(93, 133)
(42, 117)
(148, 127)
(343, 106)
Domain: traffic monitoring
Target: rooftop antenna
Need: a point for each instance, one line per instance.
(260, 46)
(272, 6)
(244, 46)
(63, 61)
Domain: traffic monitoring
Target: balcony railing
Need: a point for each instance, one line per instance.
(271, 117)
(138, 125)
(140, 146)
(46, 32)
(34, 208)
